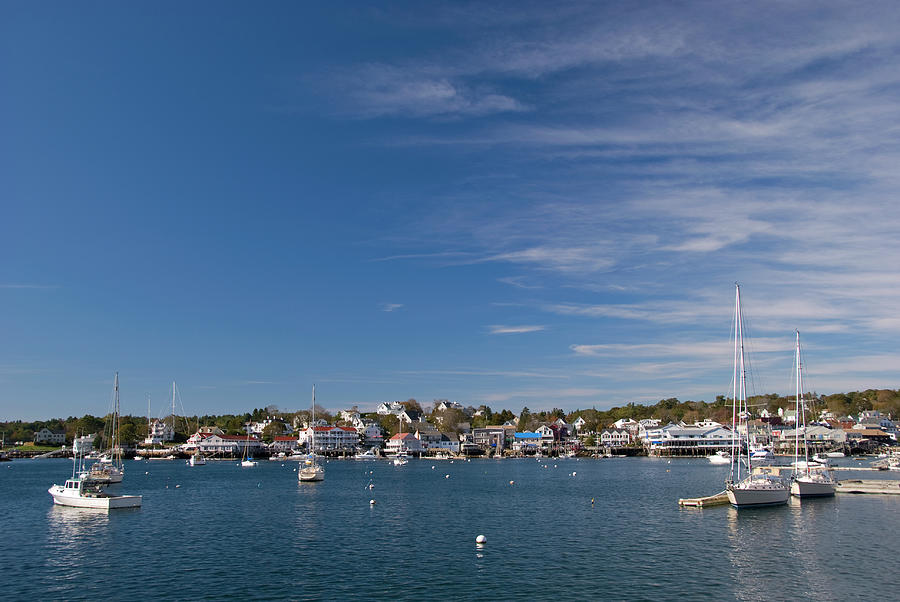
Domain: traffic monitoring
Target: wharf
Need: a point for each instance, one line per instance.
(718, 499)
(883, 486)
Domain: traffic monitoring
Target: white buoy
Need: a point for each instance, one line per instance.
(371, 486)
(512, 482)
(446, 476)
(432, 468)
(371, 502)
(481, 539)
(574, 473)
(177, 486)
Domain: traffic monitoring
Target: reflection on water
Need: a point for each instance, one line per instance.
(327, 542)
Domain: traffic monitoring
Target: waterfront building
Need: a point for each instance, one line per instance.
(428, 435)
(448, 442)
(284, 443)
(816, 436)
(234, 445)
(406, 442)
(159, 432)
(526, 441)
(687, 440)
(496, 437)
(331, 438)
(578, 424)
(615, 437)
(48, 437)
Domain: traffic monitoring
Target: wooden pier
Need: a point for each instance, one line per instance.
(718, 499)
(882, 486)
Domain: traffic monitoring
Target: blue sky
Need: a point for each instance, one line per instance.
(504, 203)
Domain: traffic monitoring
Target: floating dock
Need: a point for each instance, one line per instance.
(718, 499)
(884, 486)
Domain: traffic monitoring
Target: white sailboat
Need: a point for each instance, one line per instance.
(809, 479)
(81, 492)
(110, 469)
(746, 490)
(247, 460)
(312, 470)
(401, 458)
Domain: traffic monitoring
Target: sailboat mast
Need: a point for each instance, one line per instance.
(173, 408)
(743, 388)
(115, 421)
(801, 403)
(797, 402)
(735, 380)
(312, 447)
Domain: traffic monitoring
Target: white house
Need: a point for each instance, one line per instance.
(387, 408)
(257, 428)
(83, 445)
(47, 436)
(235, 445)
(579, 423)
(159, 431)
(448, 405)
(615, 437)
(448, 442)
(404, 442)
(370, 433)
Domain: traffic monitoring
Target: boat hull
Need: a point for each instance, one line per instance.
(757, 496)
(62, 498)
(311, 474)
(811, 488)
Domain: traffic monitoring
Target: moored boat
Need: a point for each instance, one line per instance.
(810, 478)
(720, 457)
(311, 470)
(752, 490)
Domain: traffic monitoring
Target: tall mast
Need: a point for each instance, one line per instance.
(312, 449)
(173, 408)
(735, 436)
(797, 402)
(115, 433)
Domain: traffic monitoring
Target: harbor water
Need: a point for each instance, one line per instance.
(563, 529)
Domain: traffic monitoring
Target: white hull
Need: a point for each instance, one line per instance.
(311, 473)
(197, 461)
(71, 498)
(248, 464)
(805, 487)
(834, 454)
(757, 493)
(719, 459)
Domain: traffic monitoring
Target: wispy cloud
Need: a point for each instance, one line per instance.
(499, 329)
(389, 307)
(29, 286)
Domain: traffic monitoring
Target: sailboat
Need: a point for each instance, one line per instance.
(82, 492)
(746, 490)
(810, 479)
(401, 458)
(312, 470)
(110, 468)
(247, 460)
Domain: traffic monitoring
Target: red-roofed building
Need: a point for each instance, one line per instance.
(284, 443)
(404, 442)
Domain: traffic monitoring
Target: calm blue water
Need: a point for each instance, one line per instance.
(229, 533)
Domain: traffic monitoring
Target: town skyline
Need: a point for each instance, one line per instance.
(501, 204)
